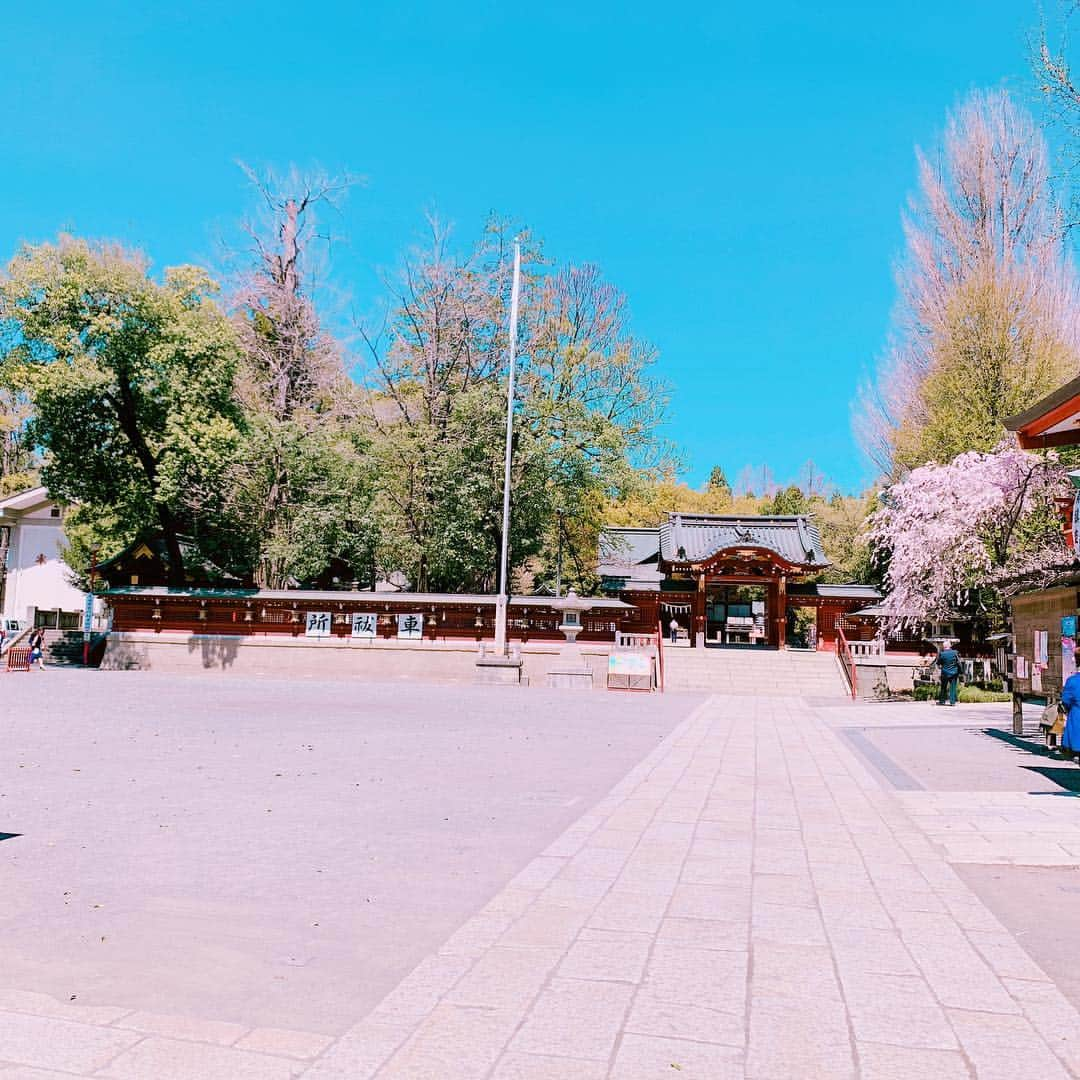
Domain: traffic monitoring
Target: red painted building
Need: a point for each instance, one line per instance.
(729, 580)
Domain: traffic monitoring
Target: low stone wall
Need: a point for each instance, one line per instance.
(878, 677)
(376, 660)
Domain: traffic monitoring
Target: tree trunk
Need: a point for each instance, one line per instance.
(177, 576)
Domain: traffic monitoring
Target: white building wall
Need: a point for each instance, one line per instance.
(37, 577)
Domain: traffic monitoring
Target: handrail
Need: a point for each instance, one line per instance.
(660, 653)
(847, 661)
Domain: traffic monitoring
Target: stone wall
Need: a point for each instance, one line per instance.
(375, 660)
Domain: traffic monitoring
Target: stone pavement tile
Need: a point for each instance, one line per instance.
(958, 975)
(576, 1018)
(453, 1043)
(615, 839)
(26, 1001)
(853, 910)
(191, 1028)
(698, 977)
(862, 989)
(607, 954)
(709, 902)
(59, 1044)
(537, 874)
(871, 950)
(650, 1015)
(901, 1022)
(729, 935)
(969, 912)
(505, 978)
(359, 1052)
(782, 970)
(287, 1043)
(511, 902)
(476, 936)
(787, 925)
(171, 1059)
(1052, 1016)
(877, 1062)
(24, 1072)
(1005, 956)
(420, 991)
(798, 1037)
(898, 901)
(715, 871)
(1004, 1047)
(779, 861)
(594, 862)
(634, 912)
(515, 1066)
(645, 1057)
(546, 925)
(582, 894)
(792, 890)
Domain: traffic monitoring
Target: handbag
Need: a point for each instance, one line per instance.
(1053, 719)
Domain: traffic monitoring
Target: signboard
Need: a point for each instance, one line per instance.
(1068, 626)
(410, 627)
(1075, 531)
(318, 624)
(364, 624)
(1042, 645)
(1068, 657)
(630, 671)
(88, 615)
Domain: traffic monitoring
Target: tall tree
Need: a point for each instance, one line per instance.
(130, 380)
(433, 403)
(297, 489)
(585, 415)
(988, 319)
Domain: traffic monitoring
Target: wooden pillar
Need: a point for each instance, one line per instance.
(699, 613)
(1017, 713)
(780, 618)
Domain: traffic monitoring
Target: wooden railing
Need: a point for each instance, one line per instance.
(847, 661)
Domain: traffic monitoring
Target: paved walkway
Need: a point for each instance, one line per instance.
(747, 902)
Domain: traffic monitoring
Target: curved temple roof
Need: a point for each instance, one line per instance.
(696, 538)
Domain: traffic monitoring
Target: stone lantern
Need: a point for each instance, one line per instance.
(571, 670)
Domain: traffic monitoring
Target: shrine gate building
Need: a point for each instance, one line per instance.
(730, 580)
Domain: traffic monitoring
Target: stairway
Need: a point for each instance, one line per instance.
(755, 672)
(63, 648)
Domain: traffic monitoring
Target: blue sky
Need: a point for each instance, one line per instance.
(737, 169)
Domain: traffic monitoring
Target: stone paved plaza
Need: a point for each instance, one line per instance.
(624, 887)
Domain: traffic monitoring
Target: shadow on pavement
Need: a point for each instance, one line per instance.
(1067, 776)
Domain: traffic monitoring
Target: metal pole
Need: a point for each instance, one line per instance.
(558, 558)
(503, 599)
(86, 637)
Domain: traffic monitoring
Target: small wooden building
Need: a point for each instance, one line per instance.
(1042, 653)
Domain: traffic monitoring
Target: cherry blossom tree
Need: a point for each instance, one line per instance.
(954, 536)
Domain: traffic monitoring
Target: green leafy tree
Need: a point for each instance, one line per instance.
(130, 381)
(718, 482)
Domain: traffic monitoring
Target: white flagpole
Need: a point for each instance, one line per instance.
(503, 600)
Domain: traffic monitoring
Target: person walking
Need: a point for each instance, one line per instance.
(673, 628)
(37, 649)
(1070, 702)
(948, 661)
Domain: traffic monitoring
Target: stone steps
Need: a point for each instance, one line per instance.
(757, 673)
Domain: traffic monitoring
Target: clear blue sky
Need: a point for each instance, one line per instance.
(738, 171)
